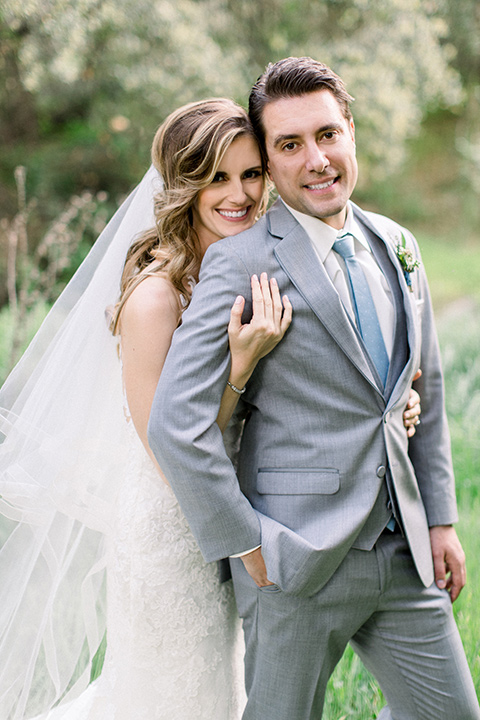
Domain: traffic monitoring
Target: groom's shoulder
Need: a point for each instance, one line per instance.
(258, 236)
(385, 226)
(377, 219)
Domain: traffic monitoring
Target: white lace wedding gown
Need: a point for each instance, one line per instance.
(174, 644)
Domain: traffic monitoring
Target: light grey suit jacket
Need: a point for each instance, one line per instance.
(319, 428)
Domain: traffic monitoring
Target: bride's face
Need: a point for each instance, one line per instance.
(230, 203)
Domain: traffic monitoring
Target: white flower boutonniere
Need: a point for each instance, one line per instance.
(407, 260)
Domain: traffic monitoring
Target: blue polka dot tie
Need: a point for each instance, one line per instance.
(363, 305)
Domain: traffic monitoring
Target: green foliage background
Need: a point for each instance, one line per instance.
(85, 83)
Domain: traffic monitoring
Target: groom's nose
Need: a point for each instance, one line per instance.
(315, 159)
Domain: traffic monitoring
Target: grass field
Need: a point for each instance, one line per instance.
(453, 267)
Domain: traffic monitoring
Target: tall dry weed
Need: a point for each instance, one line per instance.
(38, 268)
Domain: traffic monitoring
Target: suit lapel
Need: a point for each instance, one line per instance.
(298, 259)
(403, 358)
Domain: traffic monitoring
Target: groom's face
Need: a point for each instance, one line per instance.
(311, 154)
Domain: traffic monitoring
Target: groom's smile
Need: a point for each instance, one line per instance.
(311, 154)
(321, 186)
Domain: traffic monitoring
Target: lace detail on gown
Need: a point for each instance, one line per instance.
(174, 644)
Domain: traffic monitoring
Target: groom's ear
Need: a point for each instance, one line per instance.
(351, 125)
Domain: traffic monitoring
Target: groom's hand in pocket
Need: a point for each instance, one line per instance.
(255, 566)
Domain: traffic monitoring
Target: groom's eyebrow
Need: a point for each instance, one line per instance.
(293, 136)
(281, 138)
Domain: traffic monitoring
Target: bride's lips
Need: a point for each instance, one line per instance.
(237, 215)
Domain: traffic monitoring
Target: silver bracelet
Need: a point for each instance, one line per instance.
(235, 389)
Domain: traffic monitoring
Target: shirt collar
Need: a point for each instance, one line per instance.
(322, 235)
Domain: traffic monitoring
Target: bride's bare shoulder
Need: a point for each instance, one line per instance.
(154, 300)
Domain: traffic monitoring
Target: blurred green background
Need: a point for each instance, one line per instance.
(85, 83)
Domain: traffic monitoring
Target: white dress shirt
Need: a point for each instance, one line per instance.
(322, 237)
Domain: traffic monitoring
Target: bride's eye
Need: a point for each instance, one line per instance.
(252, 174)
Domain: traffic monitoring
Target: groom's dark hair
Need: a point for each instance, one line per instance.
(290, 78)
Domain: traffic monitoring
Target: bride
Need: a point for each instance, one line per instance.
(93, 540)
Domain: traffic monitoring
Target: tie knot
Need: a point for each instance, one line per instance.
(343, 245)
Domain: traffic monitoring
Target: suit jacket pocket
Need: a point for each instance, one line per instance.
(298, 481)
(300, 499)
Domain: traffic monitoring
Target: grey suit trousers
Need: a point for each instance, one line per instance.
(404, 633)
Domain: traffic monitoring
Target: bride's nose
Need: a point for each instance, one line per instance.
(237, 193)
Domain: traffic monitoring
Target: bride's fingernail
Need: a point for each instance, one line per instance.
(238, 299)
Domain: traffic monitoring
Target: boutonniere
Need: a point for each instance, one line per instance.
(407, 260)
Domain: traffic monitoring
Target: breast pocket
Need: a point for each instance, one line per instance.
(293, 496)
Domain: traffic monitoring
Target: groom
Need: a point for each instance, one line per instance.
(339, 529)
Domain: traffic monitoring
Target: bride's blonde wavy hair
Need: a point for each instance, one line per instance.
(187, 151)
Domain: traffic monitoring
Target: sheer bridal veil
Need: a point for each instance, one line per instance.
(62, 433)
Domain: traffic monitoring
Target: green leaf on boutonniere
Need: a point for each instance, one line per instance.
(407, 260)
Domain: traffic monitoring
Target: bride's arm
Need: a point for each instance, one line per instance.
(148, 321)
(254, 340)
(250, 342)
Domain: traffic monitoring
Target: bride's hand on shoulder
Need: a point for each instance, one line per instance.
(271, 318)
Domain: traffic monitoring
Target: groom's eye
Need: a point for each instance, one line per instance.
(289, 146)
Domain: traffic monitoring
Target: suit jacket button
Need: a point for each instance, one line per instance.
(381, 470)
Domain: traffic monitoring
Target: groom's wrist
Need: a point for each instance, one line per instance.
(245, 552)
